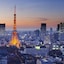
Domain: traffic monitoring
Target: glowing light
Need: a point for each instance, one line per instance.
(14, 40)
(37, 47)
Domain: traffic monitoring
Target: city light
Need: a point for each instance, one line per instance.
(34, 34)
(37, 47)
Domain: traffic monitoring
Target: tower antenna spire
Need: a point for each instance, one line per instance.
(15, 9)
(14, 18)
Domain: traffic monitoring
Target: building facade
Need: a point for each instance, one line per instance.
(2, 29)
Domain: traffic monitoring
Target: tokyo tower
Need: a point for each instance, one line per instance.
(15, 40)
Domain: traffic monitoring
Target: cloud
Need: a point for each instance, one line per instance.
(41, 19)
(34, 19)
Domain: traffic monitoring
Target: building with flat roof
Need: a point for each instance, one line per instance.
(43, 27)
(60, 27)
(2, 29)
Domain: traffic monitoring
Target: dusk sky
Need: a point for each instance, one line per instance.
(31, 13)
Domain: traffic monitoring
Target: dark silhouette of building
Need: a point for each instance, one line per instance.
(60, 27)
(43, 27)
(2, 29)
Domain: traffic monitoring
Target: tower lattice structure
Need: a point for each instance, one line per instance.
(15, 40)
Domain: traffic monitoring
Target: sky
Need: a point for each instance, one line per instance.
(31, 13)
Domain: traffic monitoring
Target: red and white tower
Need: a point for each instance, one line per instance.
(14, 27)
(14, 40)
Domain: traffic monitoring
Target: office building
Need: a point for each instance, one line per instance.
(43, 31)
(43, 27)
(2, 29)
(60, 27)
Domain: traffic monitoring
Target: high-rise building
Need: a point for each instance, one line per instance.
(2, 29)
(60, 27)
(43, 31)
(43, 27)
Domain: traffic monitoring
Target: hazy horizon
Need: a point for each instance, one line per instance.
(31, 13)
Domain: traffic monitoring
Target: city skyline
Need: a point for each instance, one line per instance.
(31, 13)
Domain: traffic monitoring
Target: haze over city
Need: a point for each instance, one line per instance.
(31, 13)
(31, 31)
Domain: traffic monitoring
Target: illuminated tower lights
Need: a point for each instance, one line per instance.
(14, 40)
